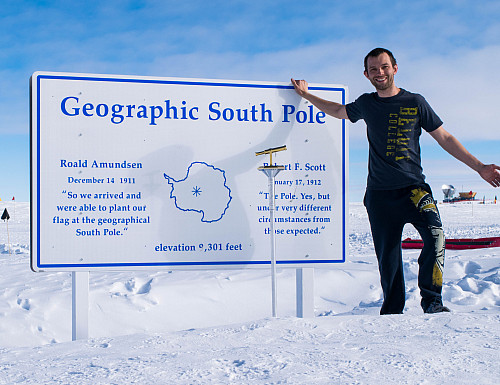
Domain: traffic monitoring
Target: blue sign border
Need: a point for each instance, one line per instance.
(228, 264)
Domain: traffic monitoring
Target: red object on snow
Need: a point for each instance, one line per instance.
(456, 244)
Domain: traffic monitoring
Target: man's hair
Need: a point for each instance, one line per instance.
(379, 51)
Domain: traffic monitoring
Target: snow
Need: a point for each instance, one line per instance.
(203, 327)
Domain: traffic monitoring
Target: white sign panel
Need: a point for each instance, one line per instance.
(140, 172)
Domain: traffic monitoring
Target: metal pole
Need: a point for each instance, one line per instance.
(273, 244)
(271, 171)
(80, 308)
(305, 292)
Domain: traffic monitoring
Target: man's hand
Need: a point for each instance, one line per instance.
(491, 174)
(331, 108)
(301, 87)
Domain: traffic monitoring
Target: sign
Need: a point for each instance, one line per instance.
(136, 172)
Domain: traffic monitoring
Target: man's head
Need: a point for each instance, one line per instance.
(380, 68)
(379, 51)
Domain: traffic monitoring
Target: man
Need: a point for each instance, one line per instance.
(396, 191)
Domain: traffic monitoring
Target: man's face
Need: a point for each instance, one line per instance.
(381, 71)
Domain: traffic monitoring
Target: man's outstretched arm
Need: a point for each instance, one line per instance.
(489, 172)
(331, 108)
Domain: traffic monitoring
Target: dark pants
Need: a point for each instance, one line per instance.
(388, 212)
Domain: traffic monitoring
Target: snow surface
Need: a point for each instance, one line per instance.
(214, 327)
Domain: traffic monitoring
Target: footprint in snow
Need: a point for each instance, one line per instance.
(472, 268)
(24, 303)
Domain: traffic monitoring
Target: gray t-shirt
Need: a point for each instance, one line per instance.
(393, 127)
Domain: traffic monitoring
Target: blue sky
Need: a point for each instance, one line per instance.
(446, 50)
